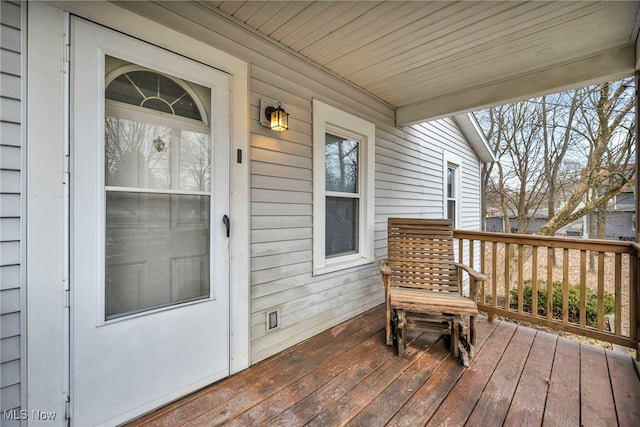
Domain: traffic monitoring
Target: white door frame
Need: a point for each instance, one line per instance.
(46, 216)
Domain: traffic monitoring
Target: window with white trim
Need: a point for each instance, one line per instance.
(343, 189)
(452, 189)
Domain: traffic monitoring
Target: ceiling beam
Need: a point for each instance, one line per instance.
(611, 65)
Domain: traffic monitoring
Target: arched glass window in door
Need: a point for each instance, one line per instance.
(158, 190)
(155, 91)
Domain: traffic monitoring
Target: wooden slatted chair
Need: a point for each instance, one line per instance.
(423, 285)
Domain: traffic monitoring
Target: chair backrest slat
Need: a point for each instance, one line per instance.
(420, 254)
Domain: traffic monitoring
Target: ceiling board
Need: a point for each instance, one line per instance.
(407, 53)
(358, 33)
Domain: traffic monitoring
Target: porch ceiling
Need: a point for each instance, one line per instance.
(429, 59)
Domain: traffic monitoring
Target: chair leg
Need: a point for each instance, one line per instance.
(400, 330)
(455, 337)
(472, 335)
(389, 326)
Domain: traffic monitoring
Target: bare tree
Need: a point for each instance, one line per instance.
(557, 140)
(571, 149)
(606, 124)
(517, 181)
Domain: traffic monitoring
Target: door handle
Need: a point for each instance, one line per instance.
(227, 223)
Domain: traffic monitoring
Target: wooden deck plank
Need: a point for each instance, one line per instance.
(626, 388)
(425, 401)
(389, 401)
(457, 406)
(363, 393)
(346, 335)
(289, 396)
(527, 406)
(347, 375)
(596, 395)
(563, 401)
(331, 393)
(493, 405)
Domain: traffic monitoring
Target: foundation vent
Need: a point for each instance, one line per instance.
(273, 320)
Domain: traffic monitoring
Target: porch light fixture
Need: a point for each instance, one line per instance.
(273, 115)
(278, 118)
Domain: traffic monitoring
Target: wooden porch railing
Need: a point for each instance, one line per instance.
(593, 283)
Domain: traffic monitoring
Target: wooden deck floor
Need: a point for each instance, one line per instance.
(346, 375)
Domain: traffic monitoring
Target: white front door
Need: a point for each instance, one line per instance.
(149, 246)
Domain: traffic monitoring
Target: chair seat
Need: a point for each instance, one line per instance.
(420, 300)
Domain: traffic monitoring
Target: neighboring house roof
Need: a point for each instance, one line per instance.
(472, 132)
(540, 214)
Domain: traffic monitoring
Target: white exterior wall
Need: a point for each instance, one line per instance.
(281, 221)
(10, 207)
(409, 181)
(281, 186)
(410, 176)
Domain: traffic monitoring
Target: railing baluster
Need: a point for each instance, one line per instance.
(520, 278)
(583, 288)
(600, 321)
(507, 275)
(534, 281)
(617, 328)
(565, 286)
(483, 270)
(494, 282)
(549, 283)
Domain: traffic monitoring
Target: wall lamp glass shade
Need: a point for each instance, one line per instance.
(278, 118)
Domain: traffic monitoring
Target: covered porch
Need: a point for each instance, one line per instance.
(347, 375)
(397, 64)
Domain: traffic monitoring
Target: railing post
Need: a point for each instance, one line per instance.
(637, 291)
(634, 297)
(637, 129)
(634, 306)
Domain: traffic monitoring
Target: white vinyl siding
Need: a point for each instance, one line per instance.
(410, 177)
(10, 208)
(282, 220)
(408, 180)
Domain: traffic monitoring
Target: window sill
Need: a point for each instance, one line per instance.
(342, 263)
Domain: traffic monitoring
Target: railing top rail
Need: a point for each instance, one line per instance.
(550, 241)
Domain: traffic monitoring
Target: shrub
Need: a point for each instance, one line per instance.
(591, 301)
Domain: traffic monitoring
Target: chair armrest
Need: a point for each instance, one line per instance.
(474, 278)
(384, 268)
(476, 275)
